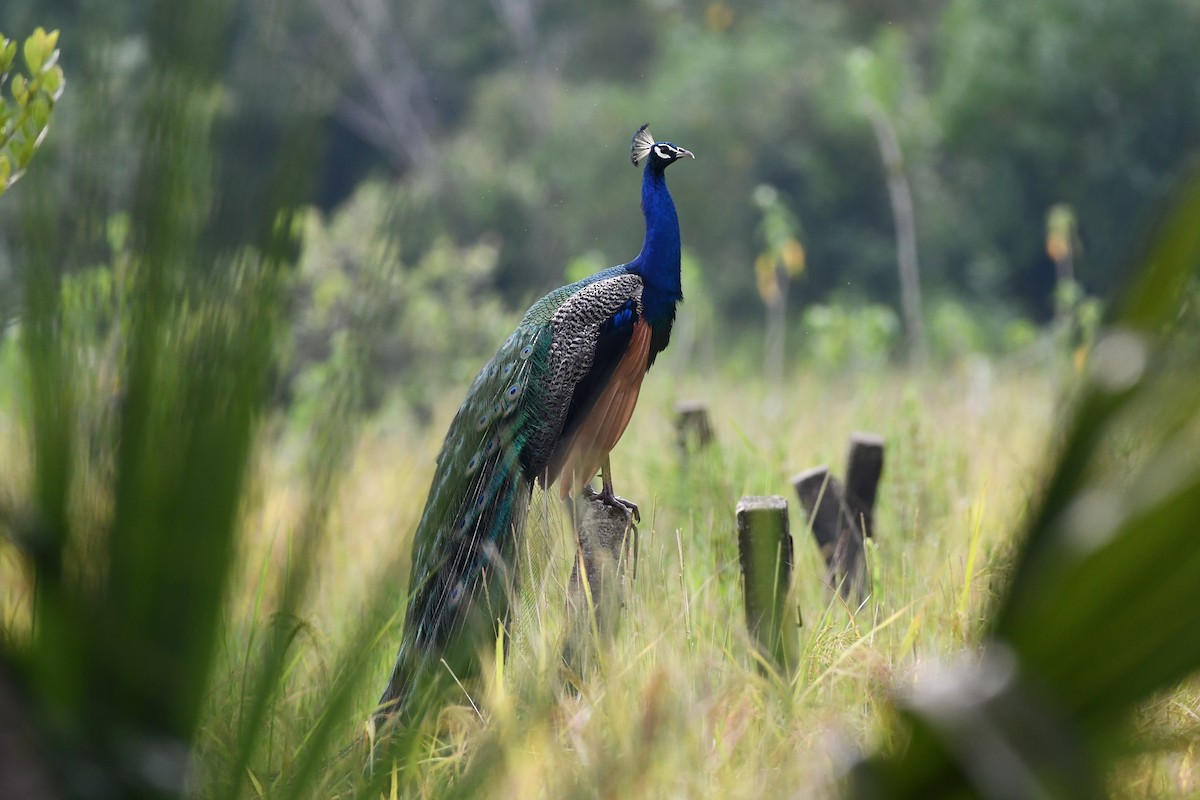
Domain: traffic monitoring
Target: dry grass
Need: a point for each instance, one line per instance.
(677, 707)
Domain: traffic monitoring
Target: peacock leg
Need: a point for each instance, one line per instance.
(607, 496)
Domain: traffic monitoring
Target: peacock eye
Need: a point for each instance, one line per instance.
(527, 351)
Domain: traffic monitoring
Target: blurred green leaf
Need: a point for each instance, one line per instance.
(34, 53)
(20, 90)
(39, 50)
(53, 82)
(8, 52)
(39, 112)
(23, 127)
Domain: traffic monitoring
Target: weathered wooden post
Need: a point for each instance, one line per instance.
(821, 497)
(693, 429)
(843, 518)
(864, 467)
(839, 538)
(765, 553)
(595, 594)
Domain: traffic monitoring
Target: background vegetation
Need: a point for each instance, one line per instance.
(266, 245)
(503, 123)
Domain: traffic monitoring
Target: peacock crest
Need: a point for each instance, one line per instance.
(642, 142)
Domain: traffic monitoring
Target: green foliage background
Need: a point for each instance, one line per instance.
(506, 122)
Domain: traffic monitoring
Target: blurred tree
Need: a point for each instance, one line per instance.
(362, 310)
(1062, 240)
(1076, 315)
(505, 120)
(874, 74)
(1088, 103)
(781, 260)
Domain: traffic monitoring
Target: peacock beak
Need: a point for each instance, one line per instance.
(687, 153)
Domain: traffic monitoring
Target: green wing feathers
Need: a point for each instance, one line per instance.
(463, 548)
(498, 445)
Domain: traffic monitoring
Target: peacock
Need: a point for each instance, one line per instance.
(548, 407)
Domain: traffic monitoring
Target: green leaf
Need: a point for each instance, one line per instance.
(5, 171)
(53, 82)
(35, 52)
(50, 39)
(39, 112)
(19, 87)
(22, 150)
(49, 62)
(40, 53)
(8, 52)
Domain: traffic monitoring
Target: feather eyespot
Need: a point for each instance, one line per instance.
(492, 445)
(513, 392)
(461, 525)
(526, 351)
(483, 420)
(456, 592)
(473, 464)
(508, 369)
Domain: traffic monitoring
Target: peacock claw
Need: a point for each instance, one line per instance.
(612, 501)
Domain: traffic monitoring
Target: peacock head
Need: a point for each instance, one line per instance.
(659, 155)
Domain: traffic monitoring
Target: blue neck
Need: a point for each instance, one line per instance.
(658, 263)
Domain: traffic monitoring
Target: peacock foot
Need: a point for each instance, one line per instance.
(612, 501)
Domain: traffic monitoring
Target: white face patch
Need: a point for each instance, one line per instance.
(663, 152)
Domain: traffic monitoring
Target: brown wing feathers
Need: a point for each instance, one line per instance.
(604, 423)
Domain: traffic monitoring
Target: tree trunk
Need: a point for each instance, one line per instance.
(906, 230)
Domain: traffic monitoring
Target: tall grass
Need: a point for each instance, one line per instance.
(677, 704)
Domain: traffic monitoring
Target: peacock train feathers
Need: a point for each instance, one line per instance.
(548, 407)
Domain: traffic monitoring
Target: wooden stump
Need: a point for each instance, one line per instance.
(843, 518)
(693, 429)
(595, 593)
(765, 554)
(864, 467)
(821, 497)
